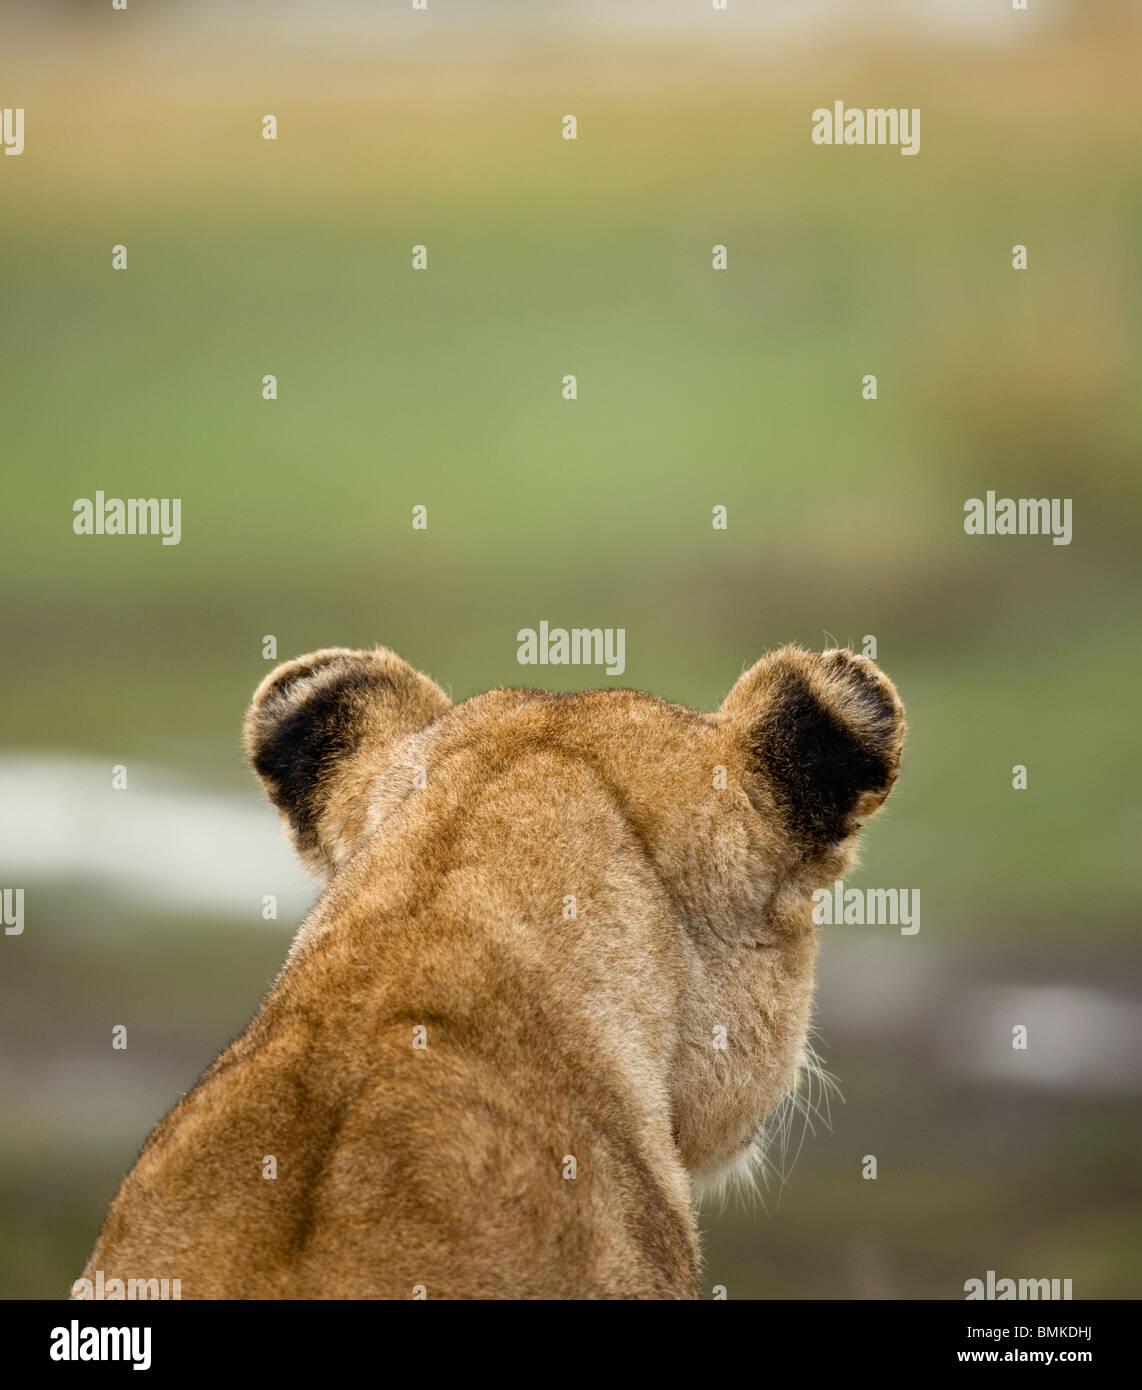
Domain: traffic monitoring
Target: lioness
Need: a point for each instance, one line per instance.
(563, 967)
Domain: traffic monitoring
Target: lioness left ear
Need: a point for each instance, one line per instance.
(823, 733)
(318, 728)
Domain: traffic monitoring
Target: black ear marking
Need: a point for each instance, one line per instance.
(310, 722)
(858, 681)
(823, 734)
(817, 766)
(320, 725)
(288, 674)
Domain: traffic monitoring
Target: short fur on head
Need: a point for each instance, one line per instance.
(563, 967)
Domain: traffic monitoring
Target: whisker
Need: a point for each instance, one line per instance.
(768, 1163)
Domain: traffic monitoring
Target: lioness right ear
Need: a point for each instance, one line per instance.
(824, 732)
(319, 727)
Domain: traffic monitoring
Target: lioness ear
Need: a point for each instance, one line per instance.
(824, 732)
(318, 729)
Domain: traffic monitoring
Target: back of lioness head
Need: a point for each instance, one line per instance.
(733, 819)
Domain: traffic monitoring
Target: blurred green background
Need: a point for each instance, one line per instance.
(696, 388)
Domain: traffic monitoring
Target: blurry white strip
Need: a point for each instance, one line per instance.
(353, 22)
(159, 841)
(1077, 1038)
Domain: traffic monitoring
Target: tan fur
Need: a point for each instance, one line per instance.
(549, 1037)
